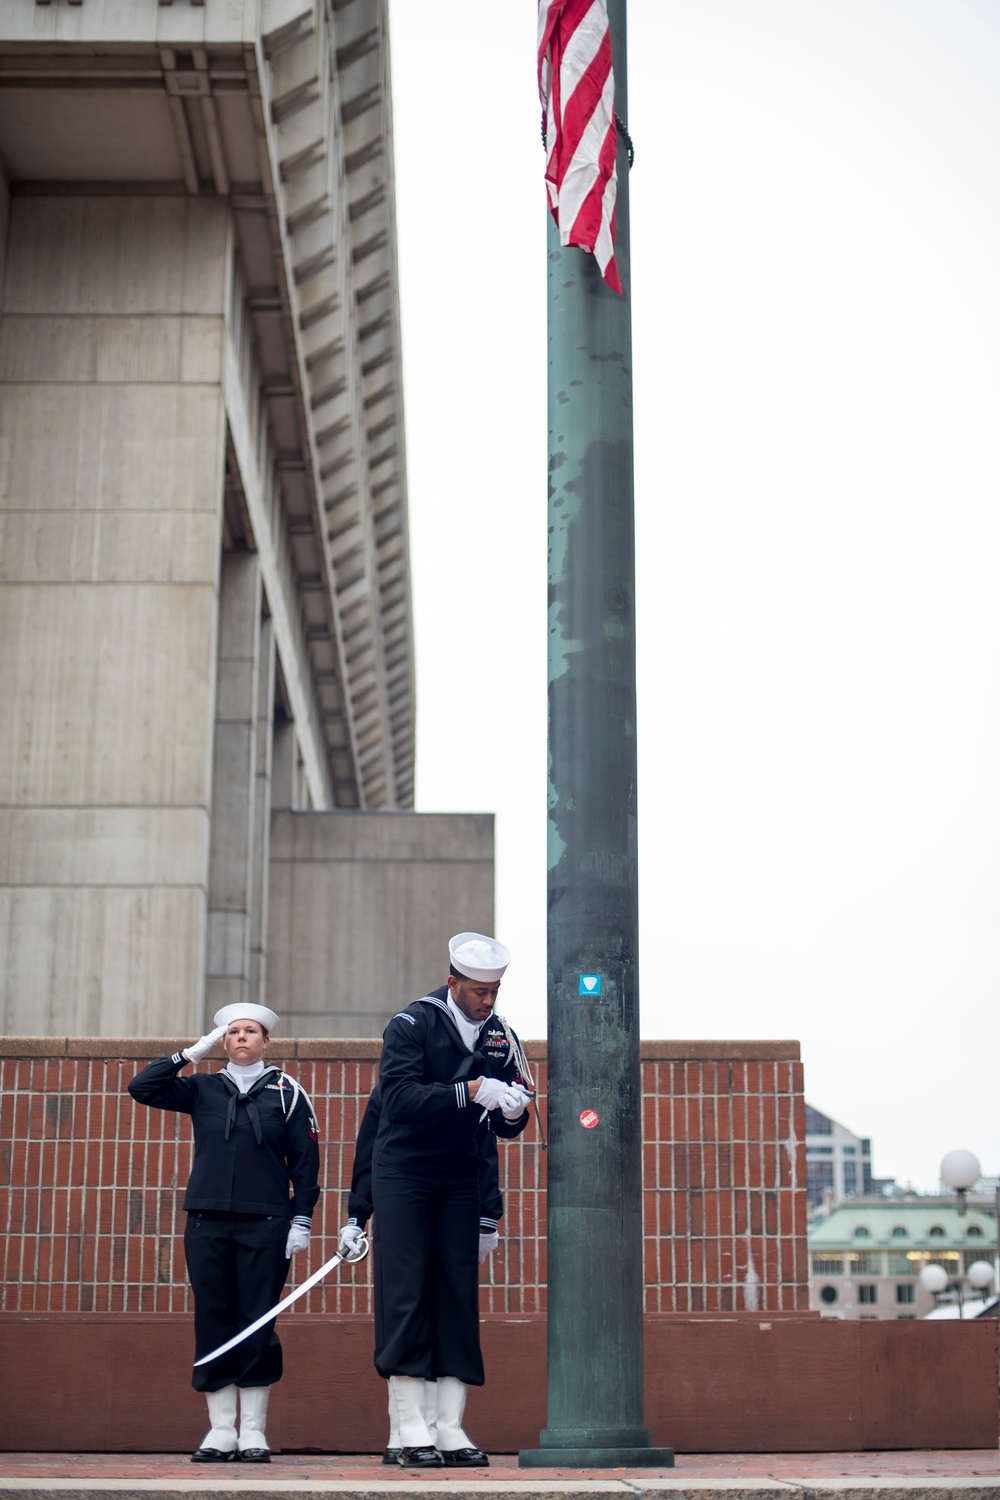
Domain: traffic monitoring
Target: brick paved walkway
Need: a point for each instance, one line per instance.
(971, 1471)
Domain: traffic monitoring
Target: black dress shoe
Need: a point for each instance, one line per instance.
(213, 1456)
(255, 1455)
(465, 1458)
(420, 1458)
(391, 1455)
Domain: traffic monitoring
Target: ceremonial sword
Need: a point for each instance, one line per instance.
(310, 1281)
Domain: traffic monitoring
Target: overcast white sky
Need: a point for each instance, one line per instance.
(816, 323)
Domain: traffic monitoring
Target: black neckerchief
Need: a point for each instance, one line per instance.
(236, 1099)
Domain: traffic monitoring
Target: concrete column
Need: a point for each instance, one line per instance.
(112, 435)
(234, 789)
(261, 847)
(284, 759)
(4, 227)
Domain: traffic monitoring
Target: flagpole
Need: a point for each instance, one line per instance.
(595, 1413)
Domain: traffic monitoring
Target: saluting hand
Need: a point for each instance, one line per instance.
(204, 1044)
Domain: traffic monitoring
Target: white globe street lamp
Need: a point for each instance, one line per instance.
(980, 1275)
(960, 1170)
(934, 1279)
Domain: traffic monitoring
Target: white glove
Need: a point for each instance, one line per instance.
(349, 1236)
(514, 1102)
(198, 1049)
(487, 1244)
(491, 1091)
(298, 1239)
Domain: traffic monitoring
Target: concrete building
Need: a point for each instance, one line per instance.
(206, 649)
(865, 1258)
(838, 1162)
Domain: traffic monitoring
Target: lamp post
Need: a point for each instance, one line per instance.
(960, 1170)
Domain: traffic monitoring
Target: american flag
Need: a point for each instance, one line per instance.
(577, 87)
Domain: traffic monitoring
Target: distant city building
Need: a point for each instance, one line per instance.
(866, 1256)
(838, 1162)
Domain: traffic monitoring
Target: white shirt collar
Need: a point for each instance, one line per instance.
(243, 1075)
(467, 1030)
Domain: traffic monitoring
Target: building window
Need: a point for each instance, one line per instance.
(850, 1178)
(969, 1258)
(868, 1294)
(906, 1317)
(906, 1294)
(936, 1232)
(828, 1265)
(862, 1233)
(900, 1232)
(817, 1124)
(868, 1318)
(869, 1264)
(946, 1259)
(819, 1180)
(973, 1232)
(902, 1265)
(828, 1294)
(849, 1150)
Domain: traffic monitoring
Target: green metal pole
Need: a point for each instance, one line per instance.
(595, 1264)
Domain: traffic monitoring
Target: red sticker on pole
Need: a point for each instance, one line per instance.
(589, 1119)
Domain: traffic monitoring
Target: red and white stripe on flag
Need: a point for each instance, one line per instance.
(577, 87)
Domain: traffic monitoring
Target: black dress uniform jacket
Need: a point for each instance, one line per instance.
(428, 1125)
(359, 1200)
(248, 1147)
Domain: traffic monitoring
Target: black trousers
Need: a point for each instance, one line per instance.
(237, 1267)
(426, 1277)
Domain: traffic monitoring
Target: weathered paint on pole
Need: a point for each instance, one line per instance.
(595, 1270)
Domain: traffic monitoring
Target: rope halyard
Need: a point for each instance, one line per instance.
(517, 1052)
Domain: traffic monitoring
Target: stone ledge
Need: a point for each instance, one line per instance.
(369, 1049)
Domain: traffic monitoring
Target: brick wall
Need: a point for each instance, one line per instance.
(90, 1203)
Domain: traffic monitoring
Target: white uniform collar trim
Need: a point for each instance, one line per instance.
(467, 1030)
(245, 1075)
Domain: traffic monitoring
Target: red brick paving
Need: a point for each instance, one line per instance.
(366, 1471)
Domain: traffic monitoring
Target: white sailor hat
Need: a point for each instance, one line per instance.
(246, 1012)
(478, 957)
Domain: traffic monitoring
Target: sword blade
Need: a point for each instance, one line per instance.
(293, 1296)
